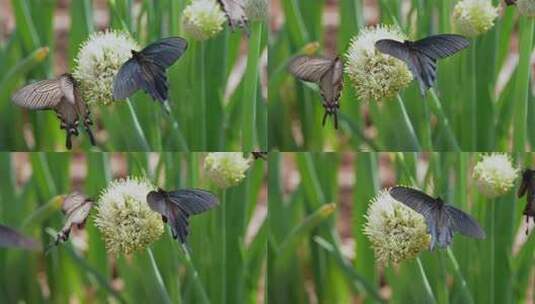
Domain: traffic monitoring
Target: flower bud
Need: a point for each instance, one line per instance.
(99, 61)
(226, 169)
(396, 232)
(474, 17)
(376, 76)
(495, 175)
(124, 217)
(203, 19)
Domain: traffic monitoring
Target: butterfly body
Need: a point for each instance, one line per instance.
(442, 219)
(63, 96)
(235, 12)
(176, 207)
(527, 188)
(421, 56)
(146, 69)
(328, 74)
(510, 2)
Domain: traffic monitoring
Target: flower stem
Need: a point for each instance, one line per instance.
(224, 240)
(250, 88)
(492, 251)
(175, 127)
(427, 286)
(159, 281)
(436, 107)
(414, 143)
(460, 277)
(527, 28)
(196, 278)
(137, 127)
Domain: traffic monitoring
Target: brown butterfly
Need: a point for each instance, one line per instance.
(327, 73)
(61, 95)
(76, 208)
(235, 11)
(259, 155)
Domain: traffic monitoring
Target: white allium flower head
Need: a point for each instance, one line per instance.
(526, 7)
(203, 19)
(474, 17)
(376, 76)
(99, 60)
(124, 217)
(396, 232)
(495, 174)
(226, 169)
(256, 9)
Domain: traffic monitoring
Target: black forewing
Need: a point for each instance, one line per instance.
(415, 199)
(393, 48)
(11, 238)
(464, 223)
(441, 46)
(166, 51)
(128, 80)
(193, 201)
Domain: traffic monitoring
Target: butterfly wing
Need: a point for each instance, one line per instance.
(414, 199)
(11, 238)
(464, 223)
(83, 112)
(41, 95)
(154, 81)
(166, 51)
(309, 68)
(524, 184)
(235, 11)
(193, 201)
(441, 46)
(178, 221)
(128, 80)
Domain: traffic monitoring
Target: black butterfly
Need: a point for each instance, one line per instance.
(259, 155)
(146, 69)
(510, 2)
(327, 73)
(421, 56)
(76, 208)
(235, 11)
(528, 186)
(176, 207)
(10, 238)
(442, 219)
(61, 95)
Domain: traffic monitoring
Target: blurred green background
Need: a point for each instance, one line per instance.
(318, 254)
(227, 243)
(215, 91)
(484, 91)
